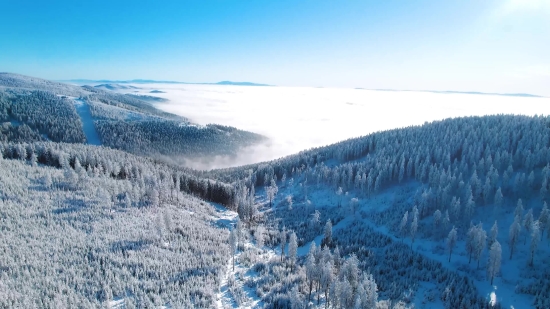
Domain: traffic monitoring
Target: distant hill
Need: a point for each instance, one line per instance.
(116, 84)
(133, 81)
(462, 92)
(114, 87)
(240, 83)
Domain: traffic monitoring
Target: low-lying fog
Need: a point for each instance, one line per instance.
(296, 119)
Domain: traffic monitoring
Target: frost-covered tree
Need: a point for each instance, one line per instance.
(240, 233)
(271, 191)
(289, 202)
(371, 291)
(499, 198)
(455, 208)
(296, 301)
(518, 212)
(451, 242)
(528, 224)
(414, 224)
(531, 180)
(469, 208)
(233, 244)
(326, 278)
(339, 192)
(350, 271)
(327, 238)
(493, 234)
(513, 235)
(282, 237)
(487, 191)
(437, 220)
(292, 249)
(403, 224)
(259, 236)
(495, 256)
(480, 241)
(354, 204)
(535, 239)
(311, 268)
(315, 219)
(544, 218)
(154, 199)
(470, 241)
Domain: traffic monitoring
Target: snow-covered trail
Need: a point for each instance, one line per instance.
(234, 279)
(88, 126)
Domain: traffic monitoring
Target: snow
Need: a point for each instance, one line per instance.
(298, 118)
(88, 126)
(117, 303)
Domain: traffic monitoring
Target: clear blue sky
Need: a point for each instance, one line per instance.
(468, 45)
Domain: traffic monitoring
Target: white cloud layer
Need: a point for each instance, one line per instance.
(296, 119)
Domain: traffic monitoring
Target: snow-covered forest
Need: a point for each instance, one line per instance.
(450, 214)
(79, 237)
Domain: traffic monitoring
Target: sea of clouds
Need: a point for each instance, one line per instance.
(299, 118)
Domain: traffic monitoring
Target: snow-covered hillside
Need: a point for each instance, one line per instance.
(116, 229)
(420, 218)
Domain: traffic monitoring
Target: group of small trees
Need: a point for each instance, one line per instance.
(342, 283)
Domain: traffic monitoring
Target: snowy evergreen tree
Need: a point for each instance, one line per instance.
(239, 233)
(451, 241)
(535, 239)
(233, 244)
(403, 224)
(493, 265)
(326, 279)
(282, 237)
(518, 212)
(470, 241)
(339, 194)
(527, 224)
(289, 202)
(513, 235)
(437, 220)
(296, 301)
(469, 208)
(544, 219)
(327, 239)
(292, 249)
(371, 291)
(259, 236)
(499, 198)
(354, 204)
(480, 241)
(315, 219)
(311, 268)
(414, 224)
(493, 234)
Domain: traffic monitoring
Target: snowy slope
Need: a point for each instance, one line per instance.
(83, 110)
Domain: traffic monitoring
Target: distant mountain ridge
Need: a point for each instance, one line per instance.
(240, 83)
(528, 95)
(106, 82)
